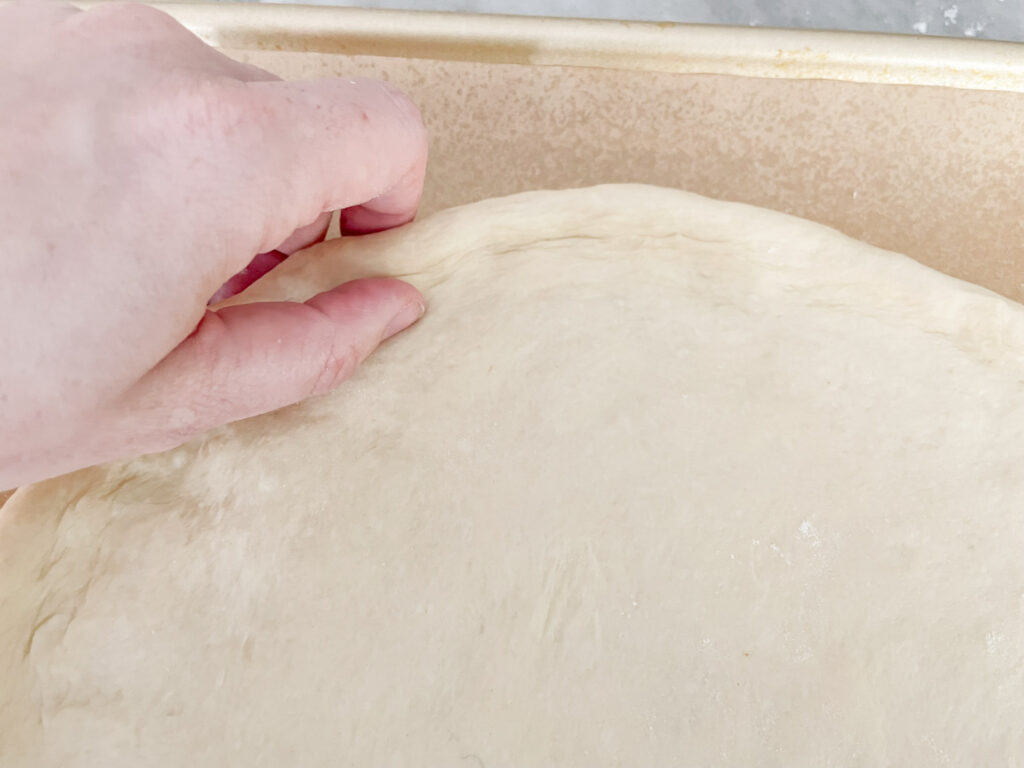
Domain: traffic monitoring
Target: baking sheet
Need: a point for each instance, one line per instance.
(635, 46)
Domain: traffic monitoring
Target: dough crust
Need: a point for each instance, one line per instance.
(658, 480)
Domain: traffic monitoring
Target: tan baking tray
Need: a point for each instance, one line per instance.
(912, 144)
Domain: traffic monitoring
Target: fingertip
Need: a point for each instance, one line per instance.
(320, 145)
(374, 304)
(404, 318)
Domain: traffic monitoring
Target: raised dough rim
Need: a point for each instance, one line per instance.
(900, 280)
(945, 322)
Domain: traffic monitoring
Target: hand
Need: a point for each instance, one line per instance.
(139, 171)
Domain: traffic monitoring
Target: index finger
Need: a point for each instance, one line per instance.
(355, 145)
(290, 151)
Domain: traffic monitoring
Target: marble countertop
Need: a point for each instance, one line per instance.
(990, 19)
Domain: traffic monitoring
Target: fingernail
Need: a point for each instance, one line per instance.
(408, 315)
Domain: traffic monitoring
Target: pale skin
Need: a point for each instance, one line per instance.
(140, 170)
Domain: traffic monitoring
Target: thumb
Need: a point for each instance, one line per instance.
(248, 359)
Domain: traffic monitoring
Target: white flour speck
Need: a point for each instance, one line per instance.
(921, 27)
(774, 548)
(992, 642)
(809, 532)
(950, 14)
(802, 654)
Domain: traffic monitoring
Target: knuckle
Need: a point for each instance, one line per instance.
(334, 367)
(406, 109)
(204, 346)
(385, 101)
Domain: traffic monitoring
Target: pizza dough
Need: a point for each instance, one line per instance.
(658, 480)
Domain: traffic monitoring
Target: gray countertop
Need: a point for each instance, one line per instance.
(991, 19)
